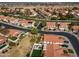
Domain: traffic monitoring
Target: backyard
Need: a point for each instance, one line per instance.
(37, 53)
(21, 49)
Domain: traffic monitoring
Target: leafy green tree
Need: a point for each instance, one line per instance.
(70, 51)
(36, 22)
(32, 40)
(12, 44)
(62, 18)
(54, 18)
(69, 16)
(34, 31)
(65, 51)
(27, 12)
(44, 22)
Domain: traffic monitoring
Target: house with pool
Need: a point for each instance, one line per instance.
(51, 25)
(16, 21)
(14, 35)
(26, 23)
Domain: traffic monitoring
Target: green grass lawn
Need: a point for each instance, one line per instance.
(36, 53)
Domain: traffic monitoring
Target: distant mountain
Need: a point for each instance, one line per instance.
(12, 4)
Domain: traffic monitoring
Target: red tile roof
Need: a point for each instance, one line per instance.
(14, 32)
(2, 39)
(63, 24)
(53, 49)
(52, 38)
(13, 20)
(25, 22)
(51, 24)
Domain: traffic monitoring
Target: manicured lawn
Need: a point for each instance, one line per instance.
(36, 53)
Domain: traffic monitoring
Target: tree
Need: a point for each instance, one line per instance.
(69, 16)
(32, 40)
(44, 22)
(34, 31)
(74, 8)
(70, 26)
(65, 51)
(27, 12)
(13, 38)
(54, 12)
(63, 18)
(38, 39)
(12, 44)
(36, 22)
(54, 18)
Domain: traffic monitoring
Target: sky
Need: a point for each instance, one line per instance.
(39, 0)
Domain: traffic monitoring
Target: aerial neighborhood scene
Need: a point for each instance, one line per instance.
(39, 29)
